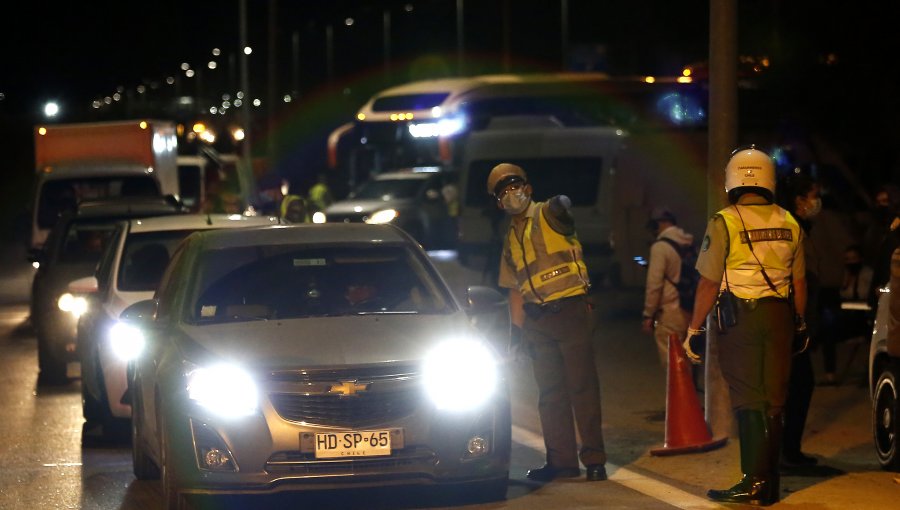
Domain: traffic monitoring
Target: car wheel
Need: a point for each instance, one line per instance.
(886, 417)
(491, 490)
(95, 409)
(171, 492)
(52, 366)
(143, 466)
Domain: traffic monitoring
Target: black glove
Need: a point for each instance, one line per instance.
(801, 336)
(695, 345)
(516, 344)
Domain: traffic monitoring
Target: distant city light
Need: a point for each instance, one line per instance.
(213, 110)
(189, 73)
(2, 96)
(257, 102)
(170, 80)
(237, 134)
(239, 95)
(212, 64)
(51, 109)
(248, 50)
(408, 7)
(286, 98)
(650, 79)
(238, 103)
(349, 22)
(107, 100)
(96, 104)
(185, 66)
(117, 97)
(141, 89)
(216, 52)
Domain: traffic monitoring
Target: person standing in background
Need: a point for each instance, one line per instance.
(663, 314)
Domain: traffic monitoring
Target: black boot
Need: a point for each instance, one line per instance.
(759, 485)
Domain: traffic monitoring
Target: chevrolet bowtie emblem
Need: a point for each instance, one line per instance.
(348, 388)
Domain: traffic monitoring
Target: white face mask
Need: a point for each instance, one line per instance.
(814, 208)
(515, 201)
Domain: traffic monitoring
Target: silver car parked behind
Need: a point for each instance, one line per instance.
(314, 357)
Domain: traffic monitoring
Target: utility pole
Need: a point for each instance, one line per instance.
(460, 41)
(386, 36)
(247, 102)
(272, 60)
(564, 32)
(722, 140)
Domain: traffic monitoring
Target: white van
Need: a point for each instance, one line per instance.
(575, 161)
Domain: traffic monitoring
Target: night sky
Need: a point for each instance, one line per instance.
(833, 62)
(77, 51)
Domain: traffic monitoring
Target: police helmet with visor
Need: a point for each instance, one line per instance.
(750, 170)
(502, 176)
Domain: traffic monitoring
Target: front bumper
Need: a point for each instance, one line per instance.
(268, 456)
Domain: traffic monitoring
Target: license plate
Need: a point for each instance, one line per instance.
(361, 443)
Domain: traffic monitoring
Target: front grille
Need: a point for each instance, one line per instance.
(387, 393)
(360, 410)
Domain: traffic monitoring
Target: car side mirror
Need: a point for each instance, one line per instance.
(86, 285)
(484, 299)
(140, 312)
(489, 313)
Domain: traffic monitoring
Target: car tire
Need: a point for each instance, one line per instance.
(171, 491)
(52, 366)
(489, 491)
(143, 466)
(886, 417)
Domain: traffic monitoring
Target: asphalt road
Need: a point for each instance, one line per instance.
(43, 463)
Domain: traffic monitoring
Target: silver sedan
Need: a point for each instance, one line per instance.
(314, 357)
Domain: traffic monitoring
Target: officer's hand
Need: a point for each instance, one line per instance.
(801, 335)
(695, 345)
(647, 325)
(559, 205)
(516, 348)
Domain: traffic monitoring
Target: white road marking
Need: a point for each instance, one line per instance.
(624, 476)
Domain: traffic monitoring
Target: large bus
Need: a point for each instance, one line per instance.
(660, 157)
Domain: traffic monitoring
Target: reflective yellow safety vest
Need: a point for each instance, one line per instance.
(774, 235)
(549, 265)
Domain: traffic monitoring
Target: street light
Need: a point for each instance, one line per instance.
(51, 109)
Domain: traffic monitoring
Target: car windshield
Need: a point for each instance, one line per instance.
(85, 242)
(290, 281)
(389, 189)
(145, 257)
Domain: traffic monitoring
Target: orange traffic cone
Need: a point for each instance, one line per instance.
(686, 430)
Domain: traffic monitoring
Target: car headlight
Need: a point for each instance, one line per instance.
(383, 216)
(460, 375)
(319, 217)
(75, 305)
(126, 341)
(225, 390)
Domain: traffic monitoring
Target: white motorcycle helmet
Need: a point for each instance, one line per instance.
(750, 169)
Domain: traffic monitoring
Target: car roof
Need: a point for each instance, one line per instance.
(130, 207)
(198, 222)
(308, 233)
(417, 172)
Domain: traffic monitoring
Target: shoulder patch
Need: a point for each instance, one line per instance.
(705, 245)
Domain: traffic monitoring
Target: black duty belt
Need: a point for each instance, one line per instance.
(535, 310)
(752, 303)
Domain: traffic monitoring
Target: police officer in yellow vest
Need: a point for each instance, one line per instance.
(752, 248)
(543, 269)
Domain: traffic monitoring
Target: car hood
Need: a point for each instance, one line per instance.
(326, 341)
(365, 206)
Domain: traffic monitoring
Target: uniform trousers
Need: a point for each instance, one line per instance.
(559, 343)
(755, 354)
(669, 321)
